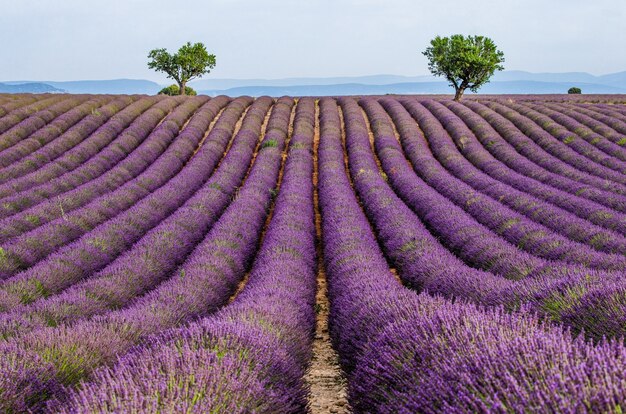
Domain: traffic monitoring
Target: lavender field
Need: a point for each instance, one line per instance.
(193, 254)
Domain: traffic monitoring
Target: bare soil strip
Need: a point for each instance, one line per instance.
(328, 386)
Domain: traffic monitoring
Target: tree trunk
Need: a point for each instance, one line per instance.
(181, 88)
(459, 94)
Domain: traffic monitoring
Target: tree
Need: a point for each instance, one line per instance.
(190, 62)
(175, 90)
(574, 91)
(466, 62)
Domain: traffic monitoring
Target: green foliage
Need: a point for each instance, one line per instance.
(574, 91)
(190, 62)
(270, 143)
(175, 90)
(466, 62)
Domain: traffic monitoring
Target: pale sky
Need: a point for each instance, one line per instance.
(85, 39)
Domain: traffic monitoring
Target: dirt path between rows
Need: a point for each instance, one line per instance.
(326, 381)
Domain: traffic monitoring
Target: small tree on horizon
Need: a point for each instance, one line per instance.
(466, 62)
(190, 62)
(174, 90)
(574, 91)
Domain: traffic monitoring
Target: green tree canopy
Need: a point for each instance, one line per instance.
(190, 62)
(466, 62)
(173, 90)
(574, 90)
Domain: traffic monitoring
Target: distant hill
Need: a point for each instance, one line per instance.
(512, 81)
(506, 82)
(215, 84)
(114, 86)
(616, 79)
(30, 87)
(503, 87)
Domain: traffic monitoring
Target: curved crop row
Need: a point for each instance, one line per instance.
(500, 218)
(459, 151)
(157, 254)
(590, 186)
(29, 140)
(199, 287)
(579, 144)
(17, 103)
(78, 145)
(576, 123)
(120, 163)
(614, 111)
(14, 117)
(408, 353)
(41, 128)
(474, 242)
(250, 356)
(611, 128)
(25, 250)
(558, 148)
(100, 245)
(574, 297)
(503, 152)
(173, 267)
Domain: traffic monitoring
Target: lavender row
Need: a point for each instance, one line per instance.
(17, 103)
(591, 187)
(614, 111)
(76, 146)
(250, 356)
(412, 249)
(562, 134)
(156, 255)
(497, 221)
(29, 140)
(28, 248)
(455, 357)
(576, 124)
(514, 190)
(44, 126)
(129, 153)
(476, 244)
(503, 152)
(16, 116)
(610, 127)
(573, 297)
(472, 241)
(606, 114)
(558, 98)
(156, 194)
(202, 285)
(408, 353)
(353, 263)
(584, 300)
(559, 149)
